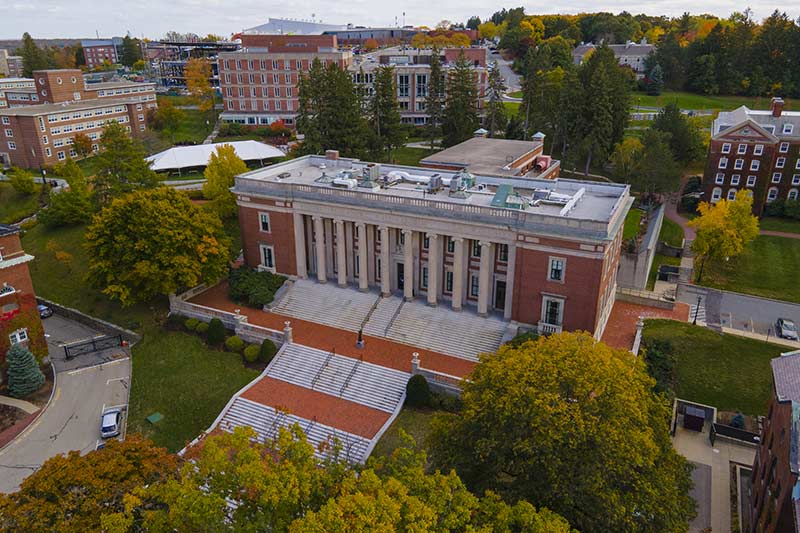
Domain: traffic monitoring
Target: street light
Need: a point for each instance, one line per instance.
(697, 309)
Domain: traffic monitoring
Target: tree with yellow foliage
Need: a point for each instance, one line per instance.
(198, 82)
(724, 229)
(223, 166)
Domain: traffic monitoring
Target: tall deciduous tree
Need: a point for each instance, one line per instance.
(33, 57)
(223, 166)
(121, 165)
(198, 83)
(72, 206)
(723, 229)
(434, 102)
(656, 170)
(495, 110)
(131, 51)
(154, 242)
(82, 144)
(571, 424)
(384, 112)
(166, 118)
(461, 108)
(625, 159)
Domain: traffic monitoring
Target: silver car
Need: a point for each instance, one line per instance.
(786, 329)
(110, 422)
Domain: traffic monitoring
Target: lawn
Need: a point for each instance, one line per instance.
(749, 274)
(632, 220)
(698, 101)
(659, 260)
(176, 375)
(415, 422)
(15, 206)
(515, 94)
(410, 156)
(58, 274)
(671, 233)
(786, 225)
(729, 372)
(512, 108)
(89, 165)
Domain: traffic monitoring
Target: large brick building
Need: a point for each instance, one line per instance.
(775, 492)
(755, 150)
(259, 81)
(17, 91)
(543, 253)
(98, 52)
(33, 136)
(19, 317)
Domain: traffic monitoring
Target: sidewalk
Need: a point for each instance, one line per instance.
(28, 407)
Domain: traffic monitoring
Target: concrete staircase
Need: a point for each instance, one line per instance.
(344, 377)
(382, 317)
(342, 308)
(267, 422)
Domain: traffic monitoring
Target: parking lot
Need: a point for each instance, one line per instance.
(86, 386)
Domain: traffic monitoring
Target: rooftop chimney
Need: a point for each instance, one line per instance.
(776, 106)
(332, 154)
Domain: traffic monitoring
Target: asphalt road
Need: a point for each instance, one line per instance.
(511, 77)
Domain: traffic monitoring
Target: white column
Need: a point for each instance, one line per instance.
(484, 278)
(350, 251)
(512, 261)
(341, 256)
(386, 283)
(433, 268)
(300, 246)
(319, 235)
(458, 273)
(408, 265)
(363, 268)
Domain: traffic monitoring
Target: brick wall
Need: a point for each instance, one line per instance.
(280, 236)
(56, 86)
(22, 302)
(290, 43)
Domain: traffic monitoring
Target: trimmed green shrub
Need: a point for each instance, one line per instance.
(191, 324)
(24, 376)
(418, 393)
(253, 288)
(216, 332)
(267, 351)
(234, 344)
(251, 353)
(202, 327)
(522, 338)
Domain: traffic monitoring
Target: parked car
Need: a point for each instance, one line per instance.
(44, 311)
(786, 329)
(109, 423)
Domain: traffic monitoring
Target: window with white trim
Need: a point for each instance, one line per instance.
(741, 149)
(758, 150)
(796, 179)
(735, 179)
(267, 256)
(426, 241)
(424, 278)
(787, 129)
(719, 179)
(448, 281)
(552, 310)
(784, 148)
(738, 164)
(731, 194)
(12, 145)
(792, 194)
(555, 271)
(776, 177)
(716, 194)
(474, 285)
(476, 249)
(755, 164)
(502, 253)
(772, 194)
(451, 245)
(263, 222)
(726, 148)
(61, 156)
(780, 162)
(723, 162)
(6, 121)
(18, 336)
(751, 181)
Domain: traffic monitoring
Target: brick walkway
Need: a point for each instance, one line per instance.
(323, 408)
(376, 350)
(621, 328)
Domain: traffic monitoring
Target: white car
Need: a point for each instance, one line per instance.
(110, 422)
(786, 329)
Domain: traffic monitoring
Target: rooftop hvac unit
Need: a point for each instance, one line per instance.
(372, 171)
(344, 183)
(455, 183)
(435, 183)
(284, 175)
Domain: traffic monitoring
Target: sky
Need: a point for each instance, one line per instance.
(153, 18)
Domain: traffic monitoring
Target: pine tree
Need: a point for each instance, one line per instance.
(655, 81)
(461, 109)
(24, 376)
(495, 110)
(33, 57)
(436, 96)
(131, 51)
(384, 111)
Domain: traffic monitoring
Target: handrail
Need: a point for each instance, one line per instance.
(349, 377)
(322, 368)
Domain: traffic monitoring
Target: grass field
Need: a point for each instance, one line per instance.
(749, 274)
(176, 375)
(14, 206)
(786, 225)
(671, 233)
(415, 422)
(512, 108)
(410, 156)
(632, 220)
(698, 101)
(731, 373)
(515, 94)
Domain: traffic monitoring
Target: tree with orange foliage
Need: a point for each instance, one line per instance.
(370, 45)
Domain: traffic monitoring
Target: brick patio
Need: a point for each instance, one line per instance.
(621, 328)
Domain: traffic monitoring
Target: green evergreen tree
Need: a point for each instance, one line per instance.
(461, 109)
(33, 57)
(436, 96)
(656, 170)
(685, 139)
(131, 51)
(72, 206)
(655, 81)
(24, 376)
(495, 109)
(384, 112)
(121, 165)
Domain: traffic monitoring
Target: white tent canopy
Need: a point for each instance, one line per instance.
(198, 155)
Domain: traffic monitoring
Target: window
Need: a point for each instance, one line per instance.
(776, 177)
(6, 121)
(792, 194)
(787, 129)
(402, 238)
(751, 181)
(772, 195)
(731, 194)
(716, 194)
(448, 281)
(780, 163)
(741, 149)
(12, 145)
(267, 257)
(784, 148)
(9, 132)
(723, 162)
(556, 270)
(719, 179)
(474, 285)
(61, 156)
(277, 92)
(797, 164)
(738, 164)
(298, 64)
(451, 245)
(403, 84)
(48, 152)
(426, 241)
(758, 150)
(18, 336)
(287, 78)
(552, 310)
(424, 280)
(476, 249)
(289, 92)
(796, 179)
(502, 253)
(726, 148)
(422, 85)
(263, 222)
(276, 78)
(735, 179)
(378, 270)
(287, 65)
(755, 164)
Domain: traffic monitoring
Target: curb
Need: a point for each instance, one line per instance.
(36, 415)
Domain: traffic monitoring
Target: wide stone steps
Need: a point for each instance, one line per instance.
(433, 329)
(267, 421)
(326, 304)
(382, 316)
(344, 377)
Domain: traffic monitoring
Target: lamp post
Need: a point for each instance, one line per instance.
(697, 309)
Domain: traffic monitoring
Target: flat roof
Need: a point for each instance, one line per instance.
(16, 80)
(483, 155)
(6, 229)
(45, 109)
(786, 375)
(116, 84)
(556, 201)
